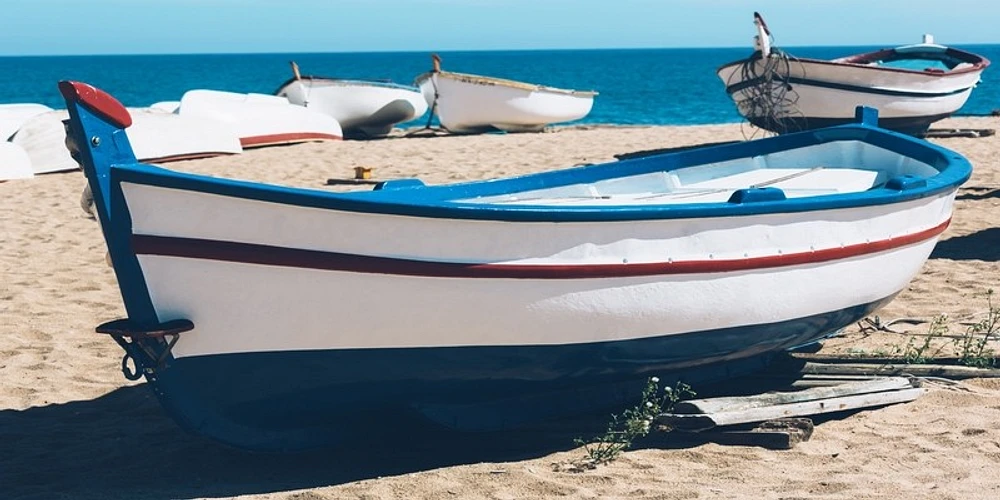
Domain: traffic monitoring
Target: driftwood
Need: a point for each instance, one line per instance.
(739, 403)
(959, 132)
(867, 359)
(705, 414)
(918, 370)
(698, 422)
(350, 181)
(779, 434)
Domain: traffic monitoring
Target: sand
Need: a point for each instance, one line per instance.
(72, 427)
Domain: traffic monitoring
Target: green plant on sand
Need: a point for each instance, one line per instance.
(973, 347)
(630, 425)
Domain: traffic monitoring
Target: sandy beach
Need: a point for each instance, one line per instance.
(72, 427)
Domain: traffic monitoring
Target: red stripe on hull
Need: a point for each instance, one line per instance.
(229, 251)
(259, 141)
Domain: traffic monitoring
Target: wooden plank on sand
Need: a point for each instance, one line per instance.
(697, 422)
(334, 181)
(731, 404)
(958, 372)
(780, 434)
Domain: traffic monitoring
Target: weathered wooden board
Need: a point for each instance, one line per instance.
(947, 371)
(698, 422)
(730, 404)
(780, 434)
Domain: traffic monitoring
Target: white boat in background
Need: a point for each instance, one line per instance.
(472, 103)
(260, 120)
(156, 136)
(14, 162)
(912, 86)
(161, 137)
(43, 137)
(12, 116)
(364, 108)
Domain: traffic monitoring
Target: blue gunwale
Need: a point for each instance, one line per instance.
(437, 201)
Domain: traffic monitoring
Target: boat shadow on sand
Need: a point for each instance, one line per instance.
(122, 445)
(980, 245)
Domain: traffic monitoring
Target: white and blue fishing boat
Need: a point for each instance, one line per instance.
(271, 317)
(912, 86)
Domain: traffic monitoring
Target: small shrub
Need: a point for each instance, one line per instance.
(632, 424)
(974, 346)
(915, 352)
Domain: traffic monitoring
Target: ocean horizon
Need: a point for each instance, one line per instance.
(637, 86)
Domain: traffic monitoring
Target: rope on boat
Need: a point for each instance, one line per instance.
(430, 116)
(770, 98)
(434, 103)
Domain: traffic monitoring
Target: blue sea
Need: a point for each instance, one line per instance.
(637, 86)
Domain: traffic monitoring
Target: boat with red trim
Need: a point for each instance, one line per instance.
(259, 120)
(912, 86)
(247, 302)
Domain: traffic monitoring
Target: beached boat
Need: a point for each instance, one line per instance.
(912, 86)
(12, 116)
(14, 162)
(160, 137)
(155, 136)
(43, 138)
(278, 318)
(472, 103)
(364, 108)
(260, 120)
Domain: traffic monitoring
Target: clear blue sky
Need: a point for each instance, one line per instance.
(35, 27)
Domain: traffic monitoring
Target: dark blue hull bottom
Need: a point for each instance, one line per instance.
(305, 399)
(912, 125)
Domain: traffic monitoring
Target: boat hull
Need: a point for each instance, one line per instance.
(12, 116)
(279, 318)
(452, 340)
(260, 120)
(823, 93)
(254, 400)
(364, 109)
(155, 136)
(468, 104)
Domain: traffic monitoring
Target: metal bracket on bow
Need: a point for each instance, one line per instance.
(147, 347)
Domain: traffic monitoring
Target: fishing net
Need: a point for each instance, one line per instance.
(766, 97)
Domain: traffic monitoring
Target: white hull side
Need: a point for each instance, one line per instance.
(14, 162)
(821, 102)
(43, 137)
(371, 109)
(464, 106)
(258, 119)
(157, 136)
(818, 102)
(12, 116)
(154, 136)
(328, 306)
